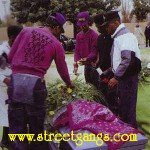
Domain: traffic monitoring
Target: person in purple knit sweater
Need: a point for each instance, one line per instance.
(86, 48)
(30, 57)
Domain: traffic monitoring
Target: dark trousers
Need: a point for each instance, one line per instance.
(25, 118)
(147, 41)
(5, 138)
(91, 76)
(110, 97)
(127, 89)
(112, 100)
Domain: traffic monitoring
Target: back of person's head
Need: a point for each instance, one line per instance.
(51, 22)
(99, 19)
(112, 21)
(55, 19)
(13, 31)
(55, 23)
(112, 16)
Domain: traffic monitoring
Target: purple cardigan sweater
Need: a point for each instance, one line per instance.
(33, 52)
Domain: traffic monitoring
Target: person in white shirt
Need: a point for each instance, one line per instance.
(125, 64)
(5, 73)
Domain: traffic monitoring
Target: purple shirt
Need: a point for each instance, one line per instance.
(33, 51)
(86, 45)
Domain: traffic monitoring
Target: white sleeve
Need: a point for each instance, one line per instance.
(126, 42)
(1, 49)
(4, 48)
(2, 77)
(129, 42)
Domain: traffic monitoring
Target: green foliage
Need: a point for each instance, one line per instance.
(26, 10)
(2, 24)
(38, 10)
(141, 9)
(143, 113)
(59, 95)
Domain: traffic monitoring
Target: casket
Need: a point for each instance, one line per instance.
(70, 145)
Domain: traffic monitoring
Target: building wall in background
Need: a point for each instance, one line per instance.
(3, 34)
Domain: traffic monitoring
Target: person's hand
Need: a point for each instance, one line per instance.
(7, 81)
(112, 83)
(75, 70)
(93, 64)
(105, 80)
(83, 61)
(71, 86)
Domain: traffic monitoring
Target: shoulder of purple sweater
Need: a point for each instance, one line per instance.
(79, 34)
(94, 33)
(28, 28)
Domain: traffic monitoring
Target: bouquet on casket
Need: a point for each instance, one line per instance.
(59, 95)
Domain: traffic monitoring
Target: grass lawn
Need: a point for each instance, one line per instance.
(143, 104)
(143, 113)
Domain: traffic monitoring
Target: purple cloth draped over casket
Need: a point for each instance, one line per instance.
(94, 117)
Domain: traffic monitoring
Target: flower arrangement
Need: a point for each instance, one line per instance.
(59, 95)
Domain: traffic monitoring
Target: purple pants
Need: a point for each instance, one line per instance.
(23, 114)
(127, 99)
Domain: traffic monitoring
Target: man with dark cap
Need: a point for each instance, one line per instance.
(126, 64)
(86, 48)
(104, 44)
(60, 21)
(30, 57)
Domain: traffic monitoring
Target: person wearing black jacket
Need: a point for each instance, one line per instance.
(147, 35)
(104, 45)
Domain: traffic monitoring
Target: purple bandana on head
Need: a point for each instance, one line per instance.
(83, 18)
